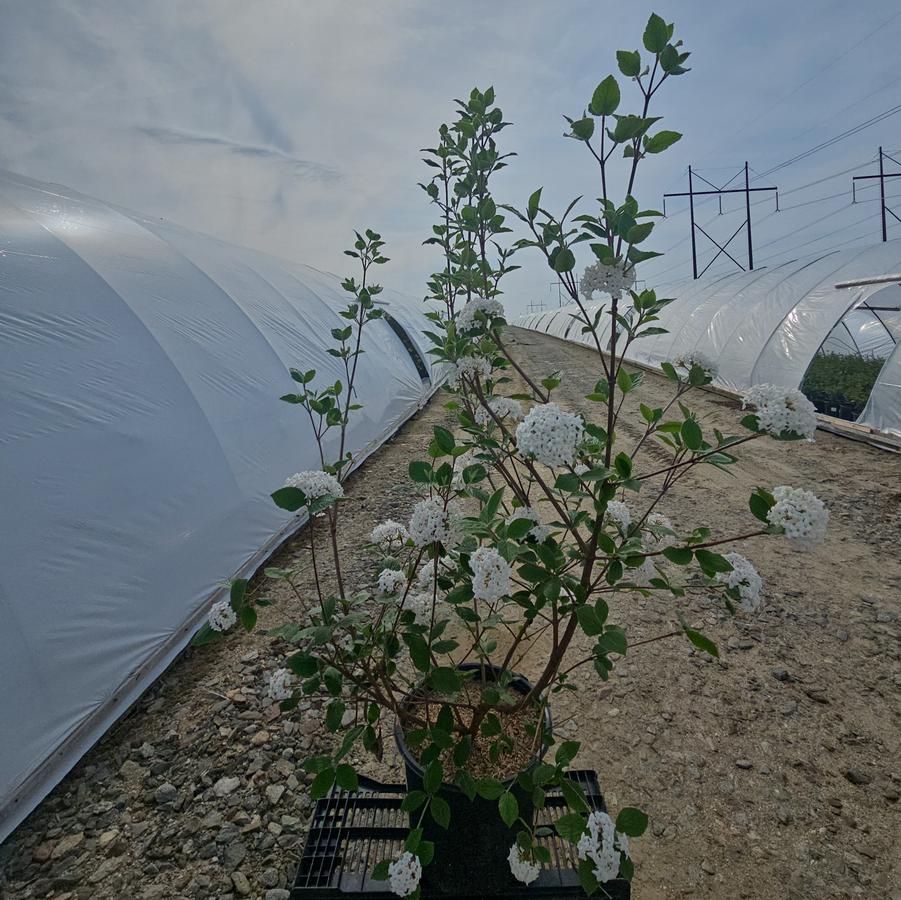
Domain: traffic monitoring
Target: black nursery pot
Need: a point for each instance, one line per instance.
(471, 855)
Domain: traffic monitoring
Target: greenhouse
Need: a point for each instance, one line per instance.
(141, 371)
(782, 325)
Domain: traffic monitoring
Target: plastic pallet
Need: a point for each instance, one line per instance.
(351, 831)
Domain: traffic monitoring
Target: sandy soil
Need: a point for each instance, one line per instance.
(774, 772)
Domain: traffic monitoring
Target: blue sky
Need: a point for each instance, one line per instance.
(282, 125)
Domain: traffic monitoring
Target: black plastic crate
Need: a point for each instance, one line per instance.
(352, 831)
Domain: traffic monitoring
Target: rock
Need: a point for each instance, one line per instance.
(67, 845)
(224, 786)
(42, 852)
(781, 675)
(107, 838)
(269, 877)
(131, 772)
(744, 763)
(277, 894)
(891, 795)
(156, 892)
(242, 885)
(146, 751)
(260, 738)
(708, 867)
(274, 793)
(858, 776)
(105, 869)
(233, 855)
(165, 794)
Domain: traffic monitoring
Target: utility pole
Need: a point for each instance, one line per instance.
(881, 176)
(718, 192)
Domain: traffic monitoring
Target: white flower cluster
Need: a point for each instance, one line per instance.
(431, 522)
(466, 320)
(651, 541)
(801, 514)
(390, 580)
(421, 605)
(780, 409)
(426, 576)
(221, 616)
(502, 407)
(389, 535)
(603, 845)
(490, 574)
(619, 514)
(692, 358)
(540, 531)
(523, 869)
(404, 874)
(550, 435)
(611, 280)
(280, 682)
(316, 484)
(744, 577)
(471, 367)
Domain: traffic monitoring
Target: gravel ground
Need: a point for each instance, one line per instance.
(774, 772)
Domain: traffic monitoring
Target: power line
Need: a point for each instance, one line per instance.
(856, 129)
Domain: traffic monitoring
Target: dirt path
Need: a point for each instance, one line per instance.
(773, 773)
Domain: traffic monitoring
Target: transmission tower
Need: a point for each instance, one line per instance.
(718, 192)
(881, 176)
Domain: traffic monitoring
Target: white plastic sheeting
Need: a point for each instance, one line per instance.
(766, 325)
(141, 433)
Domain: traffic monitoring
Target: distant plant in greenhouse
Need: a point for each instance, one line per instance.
(535, 525)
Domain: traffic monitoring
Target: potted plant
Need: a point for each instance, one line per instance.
(533, 525)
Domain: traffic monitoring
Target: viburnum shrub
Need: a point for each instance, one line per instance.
(536, 524)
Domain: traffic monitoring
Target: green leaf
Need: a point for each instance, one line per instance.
(346, 777)
(289, 498)
(445, 680)
(567, 482)
(380, 872)
(638, 233)
(656, 34)
(419, 651)
(489, 788)
(534, 203)
(413, 800)
(573, 795)
(334, 712)
(440, 810)
(432, 776)
(761, 502)
(565, 261)
(711, 563)
(420, 471)
(588, 621)
(583, 129)
(701, 642)
(444, 439)
(587, 878)
(570, 827)
(629, 62)
(322, 783)
(631, 821)
(613, 640)
(681, 556)
(566, 753)
(659, 142)
(508, 807)
(691, 434)
(605, 99)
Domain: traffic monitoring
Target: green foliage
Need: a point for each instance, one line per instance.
(840, 385)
